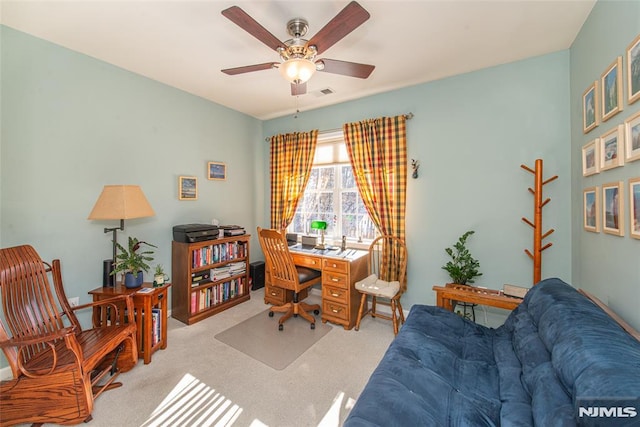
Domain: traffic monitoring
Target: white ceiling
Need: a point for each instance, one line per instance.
(186, 43)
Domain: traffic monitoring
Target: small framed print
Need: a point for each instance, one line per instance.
(216, 171)
(633, 71)
(611, 90)
(634, 207)
(612, 148)
(591, 209)
(590, 158)
(632, 138)
(613, 208)
(590, 108)
(188, 188)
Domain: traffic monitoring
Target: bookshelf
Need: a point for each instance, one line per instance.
(208, 277)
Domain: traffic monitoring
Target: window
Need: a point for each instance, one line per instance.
(332, 195)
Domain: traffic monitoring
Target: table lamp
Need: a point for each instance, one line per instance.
(319, 225)
(119, 202)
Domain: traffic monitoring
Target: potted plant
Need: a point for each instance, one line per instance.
(159, 276)
(133, 262)
(462, 267)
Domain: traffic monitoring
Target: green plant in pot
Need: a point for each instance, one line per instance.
(462, 267)
(133, 262)
(159, 276)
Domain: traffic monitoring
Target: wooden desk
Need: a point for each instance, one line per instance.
(143, 305)
(340, 271)
(452, 292)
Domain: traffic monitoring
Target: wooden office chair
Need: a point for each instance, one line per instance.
(387, 280)
(283, 273)
(57, 366)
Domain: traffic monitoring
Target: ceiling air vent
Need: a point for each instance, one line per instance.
(323, 92)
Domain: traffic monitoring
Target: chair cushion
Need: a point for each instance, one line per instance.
(380, 288)
(305, 274)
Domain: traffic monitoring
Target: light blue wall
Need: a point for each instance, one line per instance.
(608, 266)
(72, 124)
(471, 133)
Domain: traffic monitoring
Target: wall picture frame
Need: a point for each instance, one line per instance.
(216, 171)
(613, 208)
(591, 158)
(591, 209)
(611, 90)
(633, 71)
(188, 188)
(590, 108)
(632, 138)
(611, 150)
(634, 207)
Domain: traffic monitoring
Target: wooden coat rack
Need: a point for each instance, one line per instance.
(538, 204)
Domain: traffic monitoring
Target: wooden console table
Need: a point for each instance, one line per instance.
(452, 292)
(145, 300)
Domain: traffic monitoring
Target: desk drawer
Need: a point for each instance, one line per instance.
(274, 295)
(307, 261)
(335, 310)
(334, 279)
(335, 294)
(335, 265)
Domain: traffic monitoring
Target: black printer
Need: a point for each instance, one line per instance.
(191, 233)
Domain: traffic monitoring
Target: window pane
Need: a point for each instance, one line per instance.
(325, 203)
(349, 226)
(348, 179)
(313, 179)
(349, 202)
(327, 178)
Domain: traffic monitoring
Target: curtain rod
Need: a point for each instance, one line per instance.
(407, 116)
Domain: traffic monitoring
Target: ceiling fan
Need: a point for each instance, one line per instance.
(298, 55)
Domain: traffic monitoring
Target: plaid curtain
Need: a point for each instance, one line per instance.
(291, 160)
(378, 152)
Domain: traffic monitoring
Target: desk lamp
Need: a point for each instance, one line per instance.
(319, 225)
(119, 202)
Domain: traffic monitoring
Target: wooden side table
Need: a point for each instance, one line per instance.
(145, 300)
(452, 292)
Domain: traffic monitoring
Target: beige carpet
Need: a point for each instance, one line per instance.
(259, 338)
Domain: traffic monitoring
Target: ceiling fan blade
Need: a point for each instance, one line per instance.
(250, 25)
(353, 69)
(298, 89)
(249, 68)
(349, 18)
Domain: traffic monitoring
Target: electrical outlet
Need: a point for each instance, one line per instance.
(75, 301)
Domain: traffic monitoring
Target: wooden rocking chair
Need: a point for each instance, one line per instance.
(58, 368)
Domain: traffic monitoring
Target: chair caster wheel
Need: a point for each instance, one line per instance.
(313, 326)
(280, 327)
(316, 312)
(271, 314)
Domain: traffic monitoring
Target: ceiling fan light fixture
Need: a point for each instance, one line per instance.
(297, 70)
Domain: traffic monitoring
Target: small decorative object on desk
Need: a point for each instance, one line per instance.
(159, 277)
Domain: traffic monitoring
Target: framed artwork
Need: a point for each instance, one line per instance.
(590, 106)
(216, 171)
(611, 90)
(633, 71)
(591, 209)
(590, 158)
(634, 207)
(188, 188)
(613, 208)
(612, 148)
(632, 138)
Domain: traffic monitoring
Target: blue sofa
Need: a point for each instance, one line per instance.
(558, 360)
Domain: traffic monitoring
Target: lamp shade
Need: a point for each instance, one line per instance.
(318, 225)
(297, 70)
(121, 202)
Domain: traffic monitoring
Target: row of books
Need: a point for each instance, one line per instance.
(218, 253)
(156, 326)
(222, 292)
(233, 269)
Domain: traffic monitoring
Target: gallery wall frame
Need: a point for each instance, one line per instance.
(591, 209)
(633, 71)
(590, 108)
(188, 188)
(613, 208)
(591, 158)
(611, 90)
(634, 207)
(611, 149)
(632, 138)
(216, 171)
